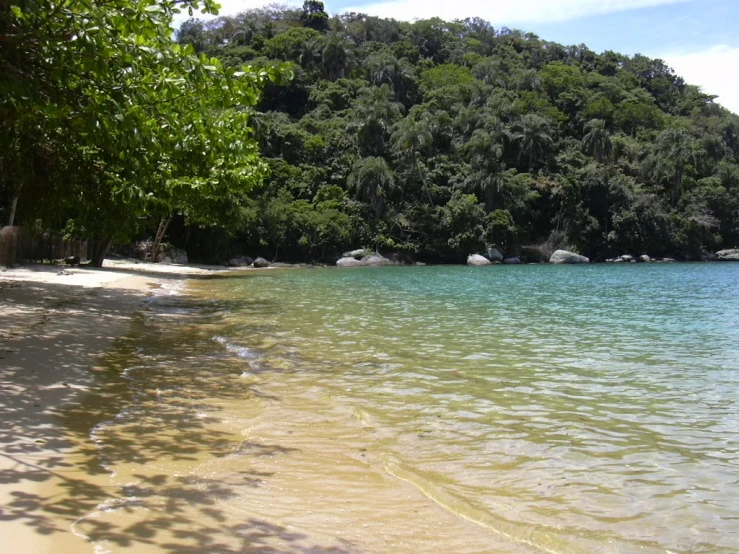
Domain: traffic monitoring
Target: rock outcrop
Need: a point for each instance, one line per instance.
(368, 259)
(730, 255)
(565, 257)
(240, 261)
(494, 255)
(173, 256)
(477, 260)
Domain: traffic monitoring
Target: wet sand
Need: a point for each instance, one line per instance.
(295, 477)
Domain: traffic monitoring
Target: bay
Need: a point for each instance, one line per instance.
(495, 409)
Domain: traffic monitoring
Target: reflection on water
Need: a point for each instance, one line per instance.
(503, 409)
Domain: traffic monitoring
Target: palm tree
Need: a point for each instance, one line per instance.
(385, 69)
(335, 56)
(533, 137)
(412, 139)
(374, 113)
(597, 140)
(484, 151)
(673, 155)
(372, 180)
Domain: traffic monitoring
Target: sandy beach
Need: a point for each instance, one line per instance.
(57, 322)
(62, 329)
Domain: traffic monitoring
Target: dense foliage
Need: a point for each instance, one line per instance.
(441, 138)
(109, 126)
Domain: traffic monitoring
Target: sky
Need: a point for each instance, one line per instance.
(697, 38)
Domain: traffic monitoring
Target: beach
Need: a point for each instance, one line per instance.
(57, 323)
(61, 385)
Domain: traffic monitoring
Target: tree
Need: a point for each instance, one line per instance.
(533, 137)
(314, 15)
(597, 141)
(372, 180)
(373, 115)
(412, 140)
(104, 85)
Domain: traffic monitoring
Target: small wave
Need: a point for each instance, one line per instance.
(241, 351)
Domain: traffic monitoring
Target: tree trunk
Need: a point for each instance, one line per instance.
(161, 230)
(13, 206)
(100, 250)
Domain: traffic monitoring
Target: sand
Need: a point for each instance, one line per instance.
(55, 324)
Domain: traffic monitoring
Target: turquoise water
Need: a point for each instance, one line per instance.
(560, 409)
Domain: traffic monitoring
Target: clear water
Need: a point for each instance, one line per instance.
(512, 409)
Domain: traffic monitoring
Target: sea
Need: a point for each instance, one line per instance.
(532, 408)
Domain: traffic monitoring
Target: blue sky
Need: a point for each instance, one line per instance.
(698, 38)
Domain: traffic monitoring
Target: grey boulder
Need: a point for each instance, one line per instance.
(494, 255)
(477, 260)
(730, 255)
(513, 260)
(261, 262)
(565, 257)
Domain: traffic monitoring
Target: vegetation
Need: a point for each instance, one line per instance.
(108, 125)
(433, 138)
(441, 138)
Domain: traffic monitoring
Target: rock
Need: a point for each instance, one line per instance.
(376, 260)
(644, 258)
(609, 260)
(420, 264)
(731, 255)
(349, 262)
(477, 260)
(240, 261)
(514, 260)
(565, 257)
(358, 254)
(627, 258)
(618, 261)
(494, 255)
(668, 260)
(261, 262)
(72, 260)
(174, 256)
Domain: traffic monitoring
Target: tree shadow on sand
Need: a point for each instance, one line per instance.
(154, 414)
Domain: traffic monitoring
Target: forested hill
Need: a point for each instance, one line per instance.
(438, 138)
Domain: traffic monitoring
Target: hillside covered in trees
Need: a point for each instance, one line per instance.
(440, 138)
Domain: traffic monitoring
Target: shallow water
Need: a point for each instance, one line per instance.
(432, 409)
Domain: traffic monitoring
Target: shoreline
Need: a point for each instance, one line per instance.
(58, 323)
(62, 330)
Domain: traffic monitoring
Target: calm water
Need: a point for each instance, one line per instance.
(512, 409)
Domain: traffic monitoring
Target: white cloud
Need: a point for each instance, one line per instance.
(504, 12)
(714, 70)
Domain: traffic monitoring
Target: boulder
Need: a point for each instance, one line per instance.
(358, 254)
(494, 255)
(618, 261)
(609, 260)
(261, 262)
(627, 258)
(376, 260)
(668, 260)
(731, 255)
(565, 257)
(174, 256)
(644, 258)
(240, 261)
(349, 262)
(514, 260)
(477, 260)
